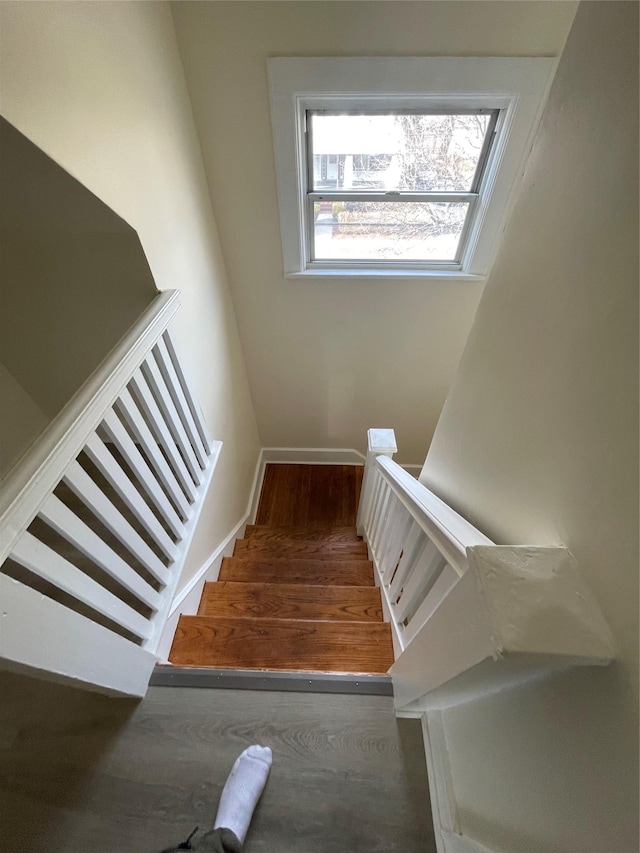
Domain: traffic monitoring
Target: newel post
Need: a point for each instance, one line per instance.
(381, 442)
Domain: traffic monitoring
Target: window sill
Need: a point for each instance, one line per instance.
(350, 273)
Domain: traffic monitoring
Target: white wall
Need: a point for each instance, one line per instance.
(25, 423)
(100, 88)
(538, 443)
(329, 359)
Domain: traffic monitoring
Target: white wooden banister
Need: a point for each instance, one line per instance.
(40, 470)
(468, 616)
(96, 520)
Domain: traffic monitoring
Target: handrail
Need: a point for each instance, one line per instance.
(450, 532)
(32, 479)
(458, 603)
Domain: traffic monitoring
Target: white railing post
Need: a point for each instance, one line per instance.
(381, 442)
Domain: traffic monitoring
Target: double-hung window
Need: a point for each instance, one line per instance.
(399, 166)
(393, 187)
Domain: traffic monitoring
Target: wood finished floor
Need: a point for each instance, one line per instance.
(83, 773)
(310, 495)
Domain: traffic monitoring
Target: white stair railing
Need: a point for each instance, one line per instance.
(467, 615)
(97, 518)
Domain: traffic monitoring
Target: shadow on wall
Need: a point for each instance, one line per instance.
(74, 279)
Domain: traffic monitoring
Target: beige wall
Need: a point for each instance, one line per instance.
(25, 422)
(100, 88)
(329, 359)
(74, 276)
(538, 443)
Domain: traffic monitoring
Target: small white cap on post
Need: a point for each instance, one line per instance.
(382, 442)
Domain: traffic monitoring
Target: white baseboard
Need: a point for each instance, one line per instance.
(256, 489)
(446, 821)
(188, 598)
(313, 455)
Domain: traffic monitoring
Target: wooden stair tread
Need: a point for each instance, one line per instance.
(291, 601)
(315, 534)
(282, 644)
(275, 569)
(296, 548)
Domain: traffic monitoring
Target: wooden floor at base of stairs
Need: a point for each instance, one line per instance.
(282, 644)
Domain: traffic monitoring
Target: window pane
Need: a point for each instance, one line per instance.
(420, 153)
(387, 231)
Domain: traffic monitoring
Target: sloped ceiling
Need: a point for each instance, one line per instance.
(329, 359)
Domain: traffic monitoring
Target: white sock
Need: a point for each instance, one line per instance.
(242, 790)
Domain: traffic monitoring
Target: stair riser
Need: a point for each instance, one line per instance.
(308, 550)
(339, 535)
(319, 573)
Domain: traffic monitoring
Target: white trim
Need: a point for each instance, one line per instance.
(518, 86)
(187, 599)
(208, 565)
(160, 619)
(40, 470)
(256, 489)
(313, 455)
(67, 646)
(444, 807)
(359, 274)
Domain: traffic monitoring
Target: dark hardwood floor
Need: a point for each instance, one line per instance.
(310, 495)
(83, 773)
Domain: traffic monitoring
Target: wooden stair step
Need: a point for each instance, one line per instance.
(315, 534)
(291, 601)
(273, 569)
(282, 644)
(296, 548)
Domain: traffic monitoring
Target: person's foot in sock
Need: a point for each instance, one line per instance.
(242, 790)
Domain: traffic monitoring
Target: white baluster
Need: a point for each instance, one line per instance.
(156, 381)
(416, 543)
(190, 397)
(103, 459)
(142, 432)
(74, 530)
(400, 525)
(94, 498)
(51, 567)
(125, 444)
(159, 426)
(168, 370)
(424, 575)
(380, 442)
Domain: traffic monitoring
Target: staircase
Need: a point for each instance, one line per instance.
(290, 599)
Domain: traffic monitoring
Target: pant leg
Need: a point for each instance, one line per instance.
(219, 841)
(216, 841)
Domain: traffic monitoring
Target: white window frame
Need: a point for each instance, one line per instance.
(517, 87)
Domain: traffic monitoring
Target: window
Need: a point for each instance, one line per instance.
(399, 167)
(395, 187)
